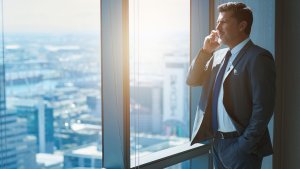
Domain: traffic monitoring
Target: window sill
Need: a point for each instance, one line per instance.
(171, 156)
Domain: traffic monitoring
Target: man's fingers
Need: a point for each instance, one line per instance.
(214, 31)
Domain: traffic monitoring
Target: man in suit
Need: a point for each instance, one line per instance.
(238, 93)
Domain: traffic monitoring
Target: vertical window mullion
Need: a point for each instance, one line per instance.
(115, 83)
(201, 23)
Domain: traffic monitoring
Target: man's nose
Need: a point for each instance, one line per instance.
(218, 26)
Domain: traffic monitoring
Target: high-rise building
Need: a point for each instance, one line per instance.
(84, 156)
(17, 149)
(39, 121)
(26, 146)
(175, 96)
(94, 104)
(8, 139)
(146, 107)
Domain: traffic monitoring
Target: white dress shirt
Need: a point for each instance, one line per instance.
(224, 121)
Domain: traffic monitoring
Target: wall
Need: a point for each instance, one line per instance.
(287, 135)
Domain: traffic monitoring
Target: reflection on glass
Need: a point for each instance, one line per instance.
(159, 58)
(52, 83)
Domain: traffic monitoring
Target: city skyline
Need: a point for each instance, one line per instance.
(44, 77)
(53, 78)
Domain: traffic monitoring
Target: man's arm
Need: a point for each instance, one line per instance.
(200, 66)
(199, 69)
(262, 77)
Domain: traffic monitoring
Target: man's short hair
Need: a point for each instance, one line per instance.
(240, 11)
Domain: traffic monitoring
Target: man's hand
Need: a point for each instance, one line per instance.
(211, 42)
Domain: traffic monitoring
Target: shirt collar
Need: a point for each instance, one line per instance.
(238, 47)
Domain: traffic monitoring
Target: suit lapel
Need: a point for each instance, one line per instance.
(237, 59)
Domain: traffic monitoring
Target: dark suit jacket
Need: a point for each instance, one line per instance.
(249, 96)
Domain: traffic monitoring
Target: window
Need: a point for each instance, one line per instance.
(52, 83)
(159, 48)
(51, 113)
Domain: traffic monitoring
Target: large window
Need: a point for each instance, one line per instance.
(159, 48)
(61, 109)
(52, 82)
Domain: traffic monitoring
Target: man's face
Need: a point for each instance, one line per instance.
(228, 28)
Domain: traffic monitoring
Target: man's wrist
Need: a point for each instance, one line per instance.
(206, 52)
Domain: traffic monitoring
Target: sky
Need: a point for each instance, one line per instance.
(155, 27)
(149, 20)
(51, 15)
(84, 15)
(161, 15)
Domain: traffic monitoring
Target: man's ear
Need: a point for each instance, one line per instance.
(242, 25)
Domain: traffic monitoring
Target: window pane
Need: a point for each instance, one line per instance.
(52, 61)
(159, 59)
(182, 165)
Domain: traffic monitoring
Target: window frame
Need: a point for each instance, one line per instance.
(116, 99)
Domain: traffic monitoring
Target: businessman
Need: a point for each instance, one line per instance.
(238, 94)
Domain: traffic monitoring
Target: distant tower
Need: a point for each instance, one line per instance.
(16, 150)
(8, 139)
(39, 122)
(175, 96)
(8, 154)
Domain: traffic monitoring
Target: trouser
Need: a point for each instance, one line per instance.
(228, 155)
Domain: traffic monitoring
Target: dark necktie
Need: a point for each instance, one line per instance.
(216, 91)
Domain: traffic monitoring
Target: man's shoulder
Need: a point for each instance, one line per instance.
(258, 50)
(257, 53)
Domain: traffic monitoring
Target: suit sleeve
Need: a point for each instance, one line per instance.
(262, 78)
(199, 69)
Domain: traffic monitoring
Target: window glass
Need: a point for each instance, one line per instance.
(52, 83)
(159, 59)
